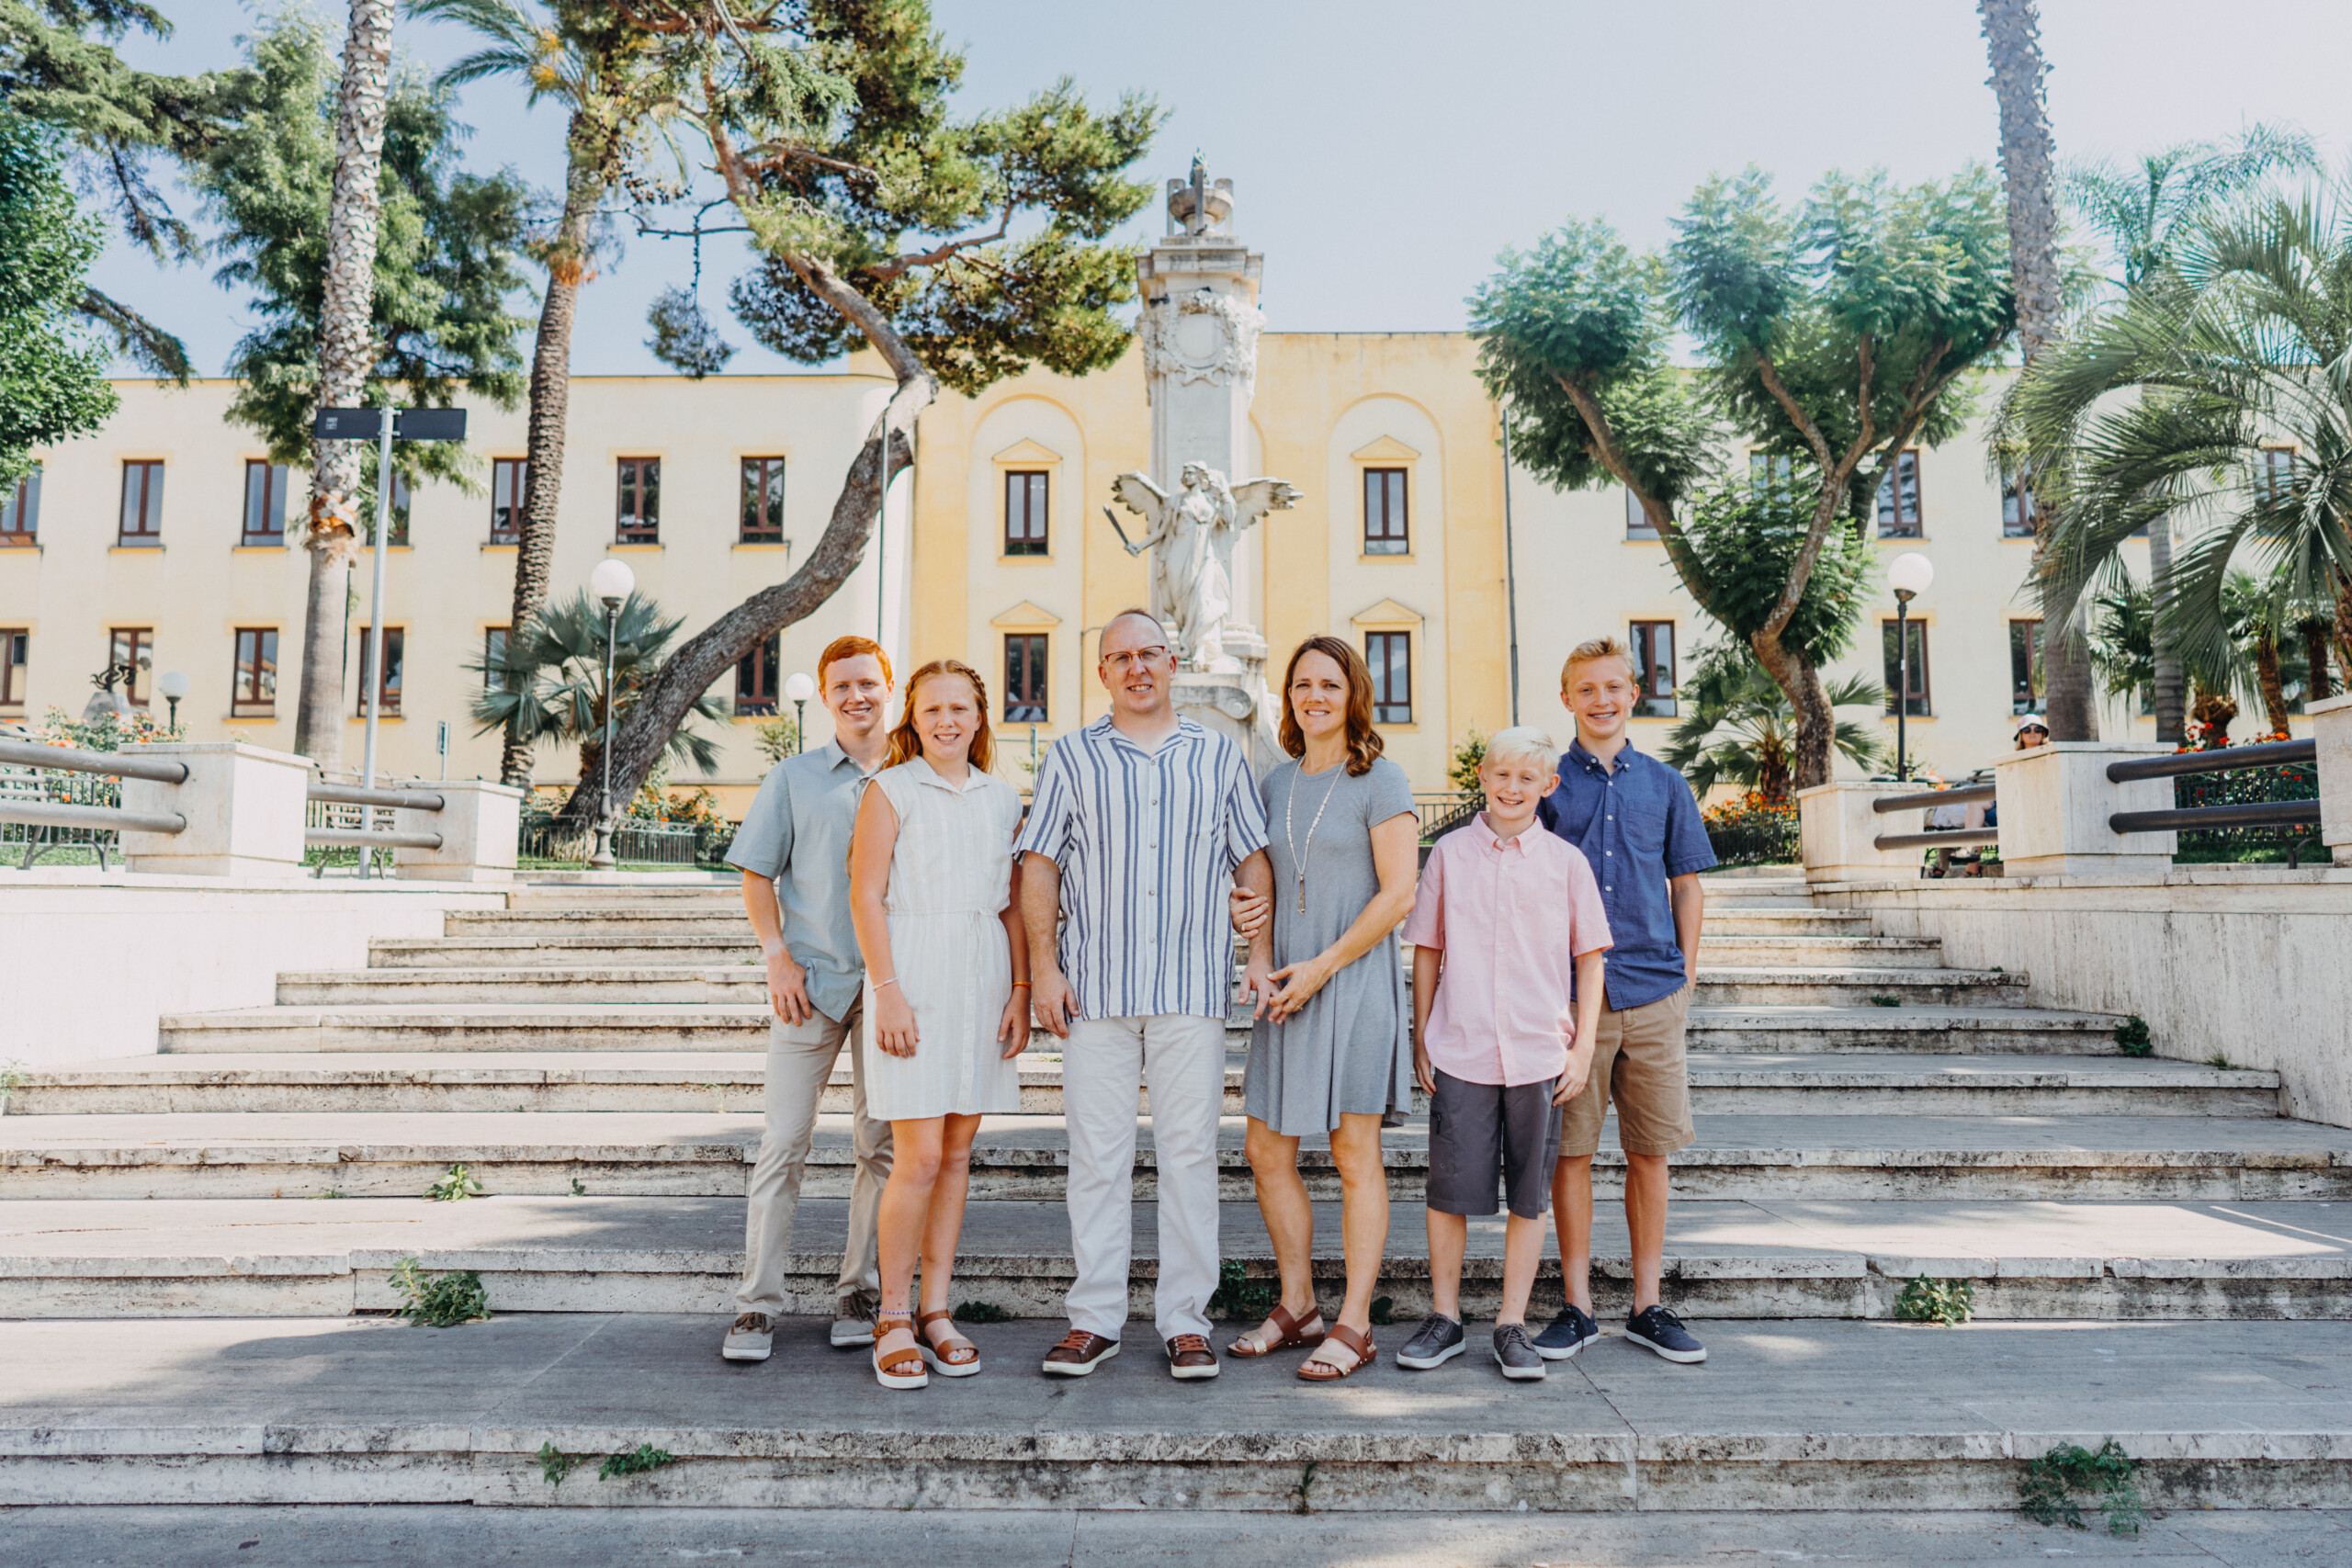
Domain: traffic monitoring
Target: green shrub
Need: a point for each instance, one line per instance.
(1949, 1301)
(638, 1461)
(981, 1311)
(1239, 1298)
(2046, 1491)
(443, 1301)
(2132, 1039)
(555, 1464)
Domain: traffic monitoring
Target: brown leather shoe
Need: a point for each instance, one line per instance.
(1189, 1357)
(1080, 1352)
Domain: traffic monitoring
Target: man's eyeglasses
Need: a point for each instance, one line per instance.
(1129, 659)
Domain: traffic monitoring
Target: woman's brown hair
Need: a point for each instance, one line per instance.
(1364, 741)
(906, 745)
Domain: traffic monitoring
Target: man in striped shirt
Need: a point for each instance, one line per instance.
(1141, 823)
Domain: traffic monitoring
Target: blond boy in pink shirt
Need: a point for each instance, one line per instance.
(1508, 935)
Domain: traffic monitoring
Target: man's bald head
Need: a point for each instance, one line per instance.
(1131, 630)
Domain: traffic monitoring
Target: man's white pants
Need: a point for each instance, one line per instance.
(800, 1063)
(1105, 1062)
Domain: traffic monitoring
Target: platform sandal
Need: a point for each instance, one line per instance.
(959, 1358)
(1293, 1331)
(1359, 1346)
(897, 1369)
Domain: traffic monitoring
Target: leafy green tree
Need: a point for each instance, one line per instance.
(1738, 729)
(52, 379)
(428, 321)
(960, 248)
(1832, 335)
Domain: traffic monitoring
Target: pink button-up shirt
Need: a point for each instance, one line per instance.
(1511, 917)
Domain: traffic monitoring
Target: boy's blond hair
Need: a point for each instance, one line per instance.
(1521, 743)
(1589, 649)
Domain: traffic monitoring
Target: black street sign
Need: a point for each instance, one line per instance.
(430, 424)
(349, 425)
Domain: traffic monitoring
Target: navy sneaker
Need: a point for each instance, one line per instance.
(1661, 1331)
(1568, 1334)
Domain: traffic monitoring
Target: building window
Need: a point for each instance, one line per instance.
(20, 511)
(1898, 497)
(143, 505)
(389, 697)
(265, 504)
(1772, 472)
(1384, 525)
(755, 678)
(2017, 506)
(398, 533)
(134, 649)
(1637, 522)
(638, 521)
(255, 692)
(1653, 648)
(1390, 655)
(15, 645)
(1918, 692)
(1025, 494)
(494, 658)
(510, 478)
(2274, 478)
(763, 502)
(1024, 677)
(2025, 667)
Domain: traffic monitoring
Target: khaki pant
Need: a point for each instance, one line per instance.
(1637, 1061)
(800, 1063)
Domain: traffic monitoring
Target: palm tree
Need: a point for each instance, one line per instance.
(1740, 730)
(2142, 211)
(2028, 155)
(589, 58)
(548, 683)
(348, 352)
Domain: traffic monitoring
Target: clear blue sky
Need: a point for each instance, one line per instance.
(1383, 153)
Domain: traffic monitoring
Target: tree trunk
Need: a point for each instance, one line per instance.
(2170, 697)
(2316, 685)
(1816, 721)
(2213, 712)
(663, 705)
(2027, 154)
(550, 407)
(2274, 690)
(346, 356)
(2343, 628)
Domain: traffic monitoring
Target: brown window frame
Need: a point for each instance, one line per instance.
(1890, 509)
(509, 477)
(1637, 522)
(1028, 512)
(1641, 644)
(246, 697)
(275, 479)
(141, 641)
(16, 654)
(1387, 527)
(395, 660)
(1027, 665)
(750, 528)
(758, 682)
(493, 650)
(637, 515)
(1379, 648)
(150, 534)
(1921, 698)
(20, 517)
(2017, 505)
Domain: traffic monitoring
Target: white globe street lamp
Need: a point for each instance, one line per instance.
(612, 581)
(1908, 574)
(172, 685)
(798, 687)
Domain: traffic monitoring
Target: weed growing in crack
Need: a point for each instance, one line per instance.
(981, 1311)
(1239, 1297)
(555, 1464)
(1949, 1301)
(1305, 1481)
(2132, 1039)
(457, 1185)
(441, 1301)
(638, 1461)
(2046, 1491)
(1885, 1000)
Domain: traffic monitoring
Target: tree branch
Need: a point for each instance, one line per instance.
(1692, 570)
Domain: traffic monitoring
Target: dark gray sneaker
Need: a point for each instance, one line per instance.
(1660, 1330)
(1568, 1334)
(1515, 1354)
(1437, 1341)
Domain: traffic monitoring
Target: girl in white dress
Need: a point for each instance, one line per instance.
(930, 878)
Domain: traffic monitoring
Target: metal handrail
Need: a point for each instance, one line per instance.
(2245, 814)
(1938, 836)
(362, 839)
(352, 795)
(2231, 759)
(65, 759)
(1960, 795)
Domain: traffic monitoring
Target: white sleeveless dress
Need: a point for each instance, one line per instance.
(950, 881)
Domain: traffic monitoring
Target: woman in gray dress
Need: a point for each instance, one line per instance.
(1329, 1052)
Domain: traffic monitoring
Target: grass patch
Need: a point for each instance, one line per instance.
(442, 1301)
(637, 1462)
(1238, 1298)
(981, 1311)
(2131, 1037)
(2046, 1491)
(1949, 1301)
(457, 1185)
(2222, 1061)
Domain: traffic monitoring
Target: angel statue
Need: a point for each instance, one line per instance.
(1190, 538)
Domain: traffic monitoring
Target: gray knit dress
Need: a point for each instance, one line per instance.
(1349, 1050)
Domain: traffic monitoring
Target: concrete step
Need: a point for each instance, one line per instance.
(259, 1155)
(1726, 1082)
(1732, 949)
(644, 920)
(1790, 1258)
(479, 952)
(1787, 985)
(1805, 1415)
(617, 1026)
(1740, 920)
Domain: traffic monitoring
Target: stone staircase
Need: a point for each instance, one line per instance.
(592, 1055)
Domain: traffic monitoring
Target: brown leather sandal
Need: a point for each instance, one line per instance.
(1292, 1329)
(956, 1357)
(897, 1369)
(1358, 1344)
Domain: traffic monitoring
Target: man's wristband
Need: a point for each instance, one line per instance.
(891, 981)
(1022, 986)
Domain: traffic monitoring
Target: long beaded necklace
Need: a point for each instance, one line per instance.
(1298, 857)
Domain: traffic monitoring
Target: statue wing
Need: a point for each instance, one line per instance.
(1252, 499)
(1139, 495)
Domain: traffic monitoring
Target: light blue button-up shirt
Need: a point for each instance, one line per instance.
(796, 834)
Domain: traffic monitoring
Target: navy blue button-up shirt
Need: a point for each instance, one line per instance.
(1637, 825)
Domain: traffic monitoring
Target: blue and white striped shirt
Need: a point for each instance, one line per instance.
(1147, 842)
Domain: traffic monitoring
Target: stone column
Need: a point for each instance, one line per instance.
(2054, 801)
(1837, 828)
(479, 823)
(2332, 728)
(246, 809)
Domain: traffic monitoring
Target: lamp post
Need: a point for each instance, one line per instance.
(1908, 574)
(799, 686)
(172, 686)
(612, 581)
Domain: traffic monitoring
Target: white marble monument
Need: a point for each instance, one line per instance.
(1199, 333)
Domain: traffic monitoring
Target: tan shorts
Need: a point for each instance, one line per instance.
(1637, 1061)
